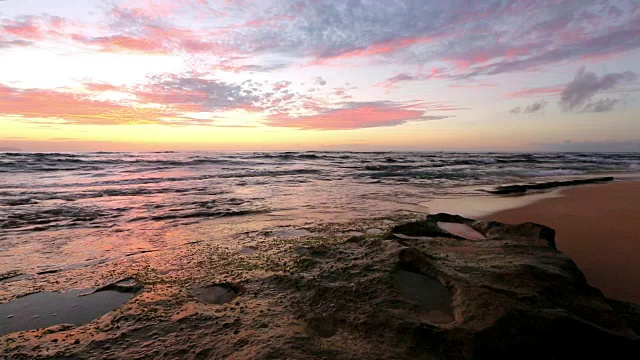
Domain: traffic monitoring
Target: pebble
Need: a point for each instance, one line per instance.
(9, 317)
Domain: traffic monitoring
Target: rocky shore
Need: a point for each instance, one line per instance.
(444, 287)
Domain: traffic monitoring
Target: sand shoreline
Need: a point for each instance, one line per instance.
(596, 225)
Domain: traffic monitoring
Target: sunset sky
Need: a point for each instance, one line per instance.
(319, 74)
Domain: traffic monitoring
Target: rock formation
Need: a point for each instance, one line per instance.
(416, 292)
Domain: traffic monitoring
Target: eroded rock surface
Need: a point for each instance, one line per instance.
(416, 292)
(217, 293)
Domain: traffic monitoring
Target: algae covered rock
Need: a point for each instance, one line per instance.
(423, 290)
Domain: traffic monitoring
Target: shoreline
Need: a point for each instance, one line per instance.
(596, 225)
(484, 202)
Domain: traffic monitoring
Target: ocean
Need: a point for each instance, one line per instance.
(64, 210)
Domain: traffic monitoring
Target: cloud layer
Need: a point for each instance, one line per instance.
(177, 99)
(462, 43)
(468, 38)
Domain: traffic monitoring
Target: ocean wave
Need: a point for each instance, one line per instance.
(554, 172)
(199, 214)
(35, 218)
(40, 191)
(17, 201)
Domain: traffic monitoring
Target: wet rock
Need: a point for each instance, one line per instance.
(533, 234)
(293, 233)
(629, 312)
(10, 274)
(421, 291)
(509, 294)
(426, 291)
(217, 294)
(248, 250)
(129, 285)
(521, 189)
(46, 272)
(355, 239)
(323, 327)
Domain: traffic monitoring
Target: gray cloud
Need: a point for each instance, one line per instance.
(210, 94)
(472, 38)
(536, 107)
(14, 43)
(608, 43)
(587, 84)
(320, 81)
(600, 106)
(532, 34)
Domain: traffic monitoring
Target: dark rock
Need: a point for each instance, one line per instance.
(449, 218)
(510, 295)
(629, 312)
(129, 285)
(221, 293)
(10, 274)
(529, 233)
(520, 189)
(46, 272)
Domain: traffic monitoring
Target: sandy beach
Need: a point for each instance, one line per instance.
(597, 226)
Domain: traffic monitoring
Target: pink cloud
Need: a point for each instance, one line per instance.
(379, 48)
(392, 82)
(355, 116)
(281, 85)
(402, 77)
(101, 87)
(75, 108)
(34, 28)
(24, 30)
(539, 91)
(472, 85)
(342, 92)
(118, 43)
(5, 91)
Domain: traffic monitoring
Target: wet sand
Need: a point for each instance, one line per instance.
(598, 226)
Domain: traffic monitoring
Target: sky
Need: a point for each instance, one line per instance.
(462, 75)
